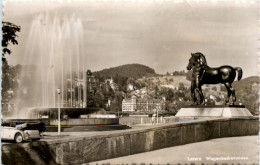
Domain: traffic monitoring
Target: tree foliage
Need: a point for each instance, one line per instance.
(10, 79)
(9, 31)
(178, 73)
(247, 92)
(129, 70)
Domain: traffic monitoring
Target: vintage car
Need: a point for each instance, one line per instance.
(19, 132)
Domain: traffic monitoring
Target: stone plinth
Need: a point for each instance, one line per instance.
(214, 111)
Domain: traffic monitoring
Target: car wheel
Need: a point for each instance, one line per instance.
(18, 138)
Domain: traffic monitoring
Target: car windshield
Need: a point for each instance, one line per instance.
(24, 125)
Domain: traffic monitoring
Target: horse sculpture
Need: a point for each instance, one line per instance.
(203, 74)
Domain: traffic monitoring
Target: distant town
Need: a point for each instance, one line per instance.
(131, 88)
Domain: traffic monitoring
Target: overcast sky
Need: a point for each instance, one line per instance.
(160, 35)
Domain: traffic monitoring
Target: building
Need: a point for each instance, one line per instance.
(142, 104)
(129, 104)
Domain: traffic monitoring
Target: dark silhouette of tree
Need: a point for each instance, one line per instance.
(10, 76)
(99, 100)
(129, 70)
(156, 92)
(5, 77)
(9, 35)
(178, 73)
(116, 103)
(169, 95)
(121, 81)
(214, 88)
(181, 86)
(223, 88)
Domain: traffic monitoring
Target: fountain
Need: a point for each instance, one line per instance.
(54, 48)
(56, 60)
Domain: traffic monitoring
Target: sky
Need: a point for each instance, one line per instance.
(159, 34)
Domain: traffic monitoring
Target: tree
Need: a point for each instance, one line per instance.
(99, 100)
(121, 81)
(169, 94)
(9, 35)
(5, 78)
(116, 103)
(170, 107)
(214, 88)
(223, 88)
(10, 80)
(181, 86)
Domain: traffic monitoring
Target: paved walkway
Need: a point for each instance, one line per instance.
(243, 150)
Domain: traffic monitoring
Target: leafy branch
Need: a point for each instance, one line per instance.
(9, 36)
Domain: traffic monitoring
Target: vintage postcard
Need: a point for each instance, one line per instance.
(130, 82)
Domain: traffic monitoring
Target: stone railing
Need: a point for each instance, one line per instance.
(110, 145)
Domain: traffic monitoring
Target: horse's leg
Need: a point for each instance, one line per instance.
(228, 87)
(193, 96)
(202, 98)
(233, 94)
(198, 89)
(199, 92)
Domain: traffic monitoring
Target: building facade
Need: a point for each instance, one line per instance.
(135, 104)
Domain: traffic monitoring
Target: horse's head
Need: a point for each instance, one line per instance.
(196, 58)
(192, 61)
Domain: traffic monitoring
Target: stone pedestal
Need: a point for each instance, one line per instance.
(214, 111)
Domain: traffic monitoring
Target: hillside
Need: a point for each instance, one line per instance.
(246, 83)
(167, 81)
(129, 70)
(246, 92)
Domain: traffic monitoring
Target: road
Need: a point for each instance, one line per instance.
(244, 149)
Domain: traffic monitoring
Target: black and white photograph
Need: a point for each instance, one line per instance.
(130, 82)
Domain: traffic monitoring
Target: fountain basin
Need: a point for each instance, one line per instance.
(73, 116)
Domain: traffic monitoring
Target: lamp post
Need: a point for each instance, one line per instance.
(58, 91)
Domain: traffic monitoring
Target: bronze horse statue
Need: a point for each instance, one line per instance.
(203, 74)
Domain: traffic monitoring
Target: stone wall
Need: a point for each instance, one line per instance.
(127, 142)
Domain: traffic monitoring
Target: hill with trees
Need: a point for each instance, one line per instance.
(247, 92)
(246, 82)
(128, 70)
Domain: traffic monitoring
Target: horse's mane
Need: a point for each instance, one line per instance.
(202, 56)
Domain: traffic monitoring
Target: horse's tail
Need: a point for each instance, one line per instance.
(240, 72)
